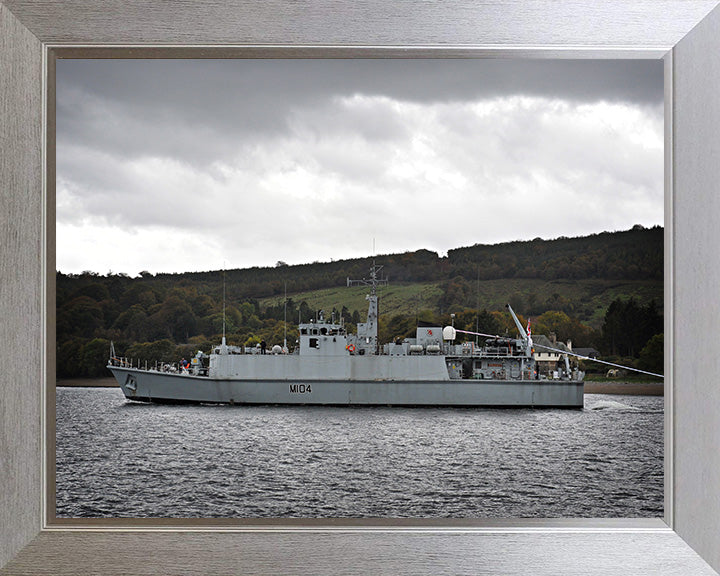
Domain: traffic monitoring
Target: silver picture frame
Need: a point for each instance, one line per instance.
(684, 33)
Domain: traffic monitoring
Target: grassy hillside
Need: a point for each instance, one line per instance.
(586, 300)
(406, 299)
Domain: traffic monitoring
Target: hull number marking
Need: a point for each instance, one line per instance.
(300, 389)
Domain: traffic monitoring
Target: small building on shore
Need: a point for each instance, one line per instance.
(587, 352)
(549, 354)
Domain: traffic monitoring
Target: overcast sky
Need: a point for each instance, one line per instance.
(190, 165)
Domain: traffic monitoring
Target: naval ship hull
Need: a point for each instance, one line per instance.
(151, 386)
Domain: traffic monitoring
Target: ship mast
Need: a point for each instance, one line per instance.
(368, 331)
(223, 345)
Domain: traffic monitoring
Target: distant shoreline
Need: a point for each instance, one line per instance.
(604, 387)
(107, 382)
(625, 388)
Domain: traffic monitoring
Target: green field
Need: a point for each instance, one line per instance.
(394, 299)
(586, 300)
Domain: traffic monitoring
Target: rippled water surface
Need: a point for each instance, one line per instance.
(122, 459)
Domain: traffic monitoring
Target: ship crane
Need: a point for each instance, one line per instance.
(523, 334)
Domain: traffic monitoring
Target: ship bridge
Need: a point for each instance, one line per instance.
(323, 338)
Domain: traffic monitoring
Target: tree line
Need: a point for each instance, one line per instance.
(635, 254)
(632, 254)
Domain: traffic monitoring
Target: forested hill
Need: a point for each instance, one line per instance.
(635, 254)
(577, 279)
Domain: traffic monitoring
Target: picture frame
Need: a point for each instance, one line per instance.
(82, 65)
(683, 33)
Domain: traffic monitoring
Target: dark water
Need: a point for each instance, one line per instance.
(122, 459)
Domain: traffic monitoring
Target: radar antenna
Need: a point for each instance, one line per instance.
(374, 281)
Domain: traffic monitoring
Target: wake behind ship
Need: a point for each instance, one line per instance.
(333, 367)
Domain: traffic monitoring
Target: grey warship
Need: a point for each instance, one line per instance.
(333, 367)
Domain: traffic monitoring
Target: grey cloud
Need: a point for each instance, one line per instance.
(247, 98)
(203, 111)
(215, 128)
(206, 86)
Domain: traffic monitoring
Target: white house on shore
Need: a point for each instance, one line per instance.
(548, 360)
